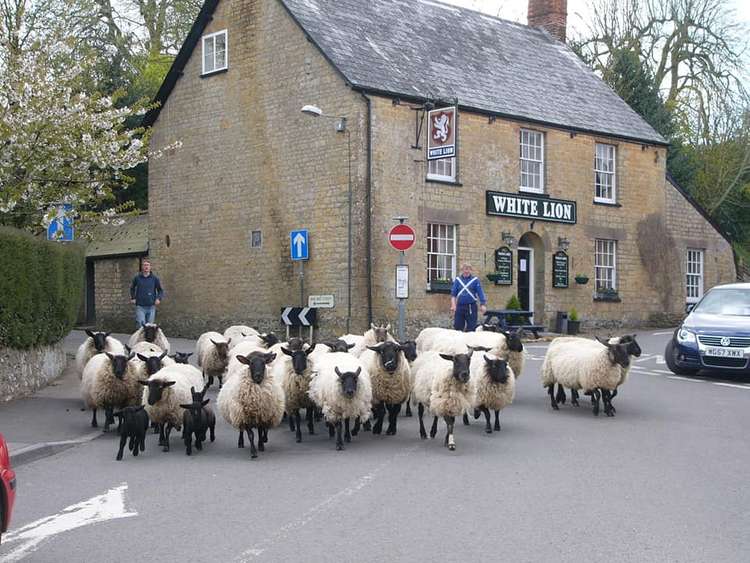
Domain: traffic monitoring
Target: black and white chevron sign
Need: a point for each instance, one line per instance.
(299, 316)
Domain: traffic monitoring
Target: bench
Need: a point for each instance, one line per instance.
(503, 315)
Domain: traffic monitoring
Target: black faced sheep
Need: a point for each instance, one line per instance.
(197, 419)
(133, 425)
(96, 343)
(109, 382)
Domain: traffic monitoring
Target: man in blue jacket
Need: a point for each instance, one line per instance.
(466, 296)
(145, 293)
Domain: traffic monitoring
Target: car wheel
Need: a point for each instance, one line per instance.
(670, 357)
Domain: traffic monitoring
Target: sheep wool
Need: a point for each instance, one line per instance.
(579, 365)
(242, 349)
(516, 361)
(244, 403)
(390, 388)
(140, 336)
(236, 333)
(208, 356)
(325, 388)
(87, 350)
(436, 388)
(295, 386)
(487, 393)
(168, 410)
(100, 388)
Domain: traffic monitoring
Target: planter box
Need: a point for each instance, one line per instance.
(611, 297)
(440, 286)
(582, 280)
(574, 327)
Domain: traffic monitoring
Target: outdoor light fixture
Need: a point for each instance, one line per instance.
(315, 111)
(508, 239)
(563, 243)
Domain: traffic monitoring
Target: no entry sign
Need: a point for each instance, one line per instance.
(401, 237)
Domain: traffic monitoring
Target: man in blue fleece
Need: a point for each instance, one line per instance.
(466, 296)
(145, 293)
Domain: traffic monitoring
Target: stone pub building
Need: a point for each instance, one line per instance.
(500, 146)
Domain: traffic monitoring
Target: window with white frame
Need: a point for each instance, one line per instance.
(442, 169)
(441, 252)
(532, 161)
(694, 270)
(605, 265)
(604, 173)
(214, 51)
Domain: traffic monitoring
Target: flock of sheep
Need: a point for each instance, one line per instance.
(352, 382)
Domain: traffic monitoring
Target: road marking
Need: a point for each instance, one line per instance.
(109, 506)
(661, 333)
(735, 385)
(663, 371)
(645, 357)
(320, 508)
(686, 379)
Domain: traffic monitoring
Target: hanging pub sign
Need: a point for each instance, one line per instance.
(441, 133)
(528, 207)
(504, 266)
(560, 269)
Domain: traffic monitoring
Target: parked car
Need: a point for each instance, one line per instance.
(7, 487)
(715, 336)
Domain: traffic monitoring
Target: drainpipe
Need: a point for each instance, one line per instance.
(368, 207)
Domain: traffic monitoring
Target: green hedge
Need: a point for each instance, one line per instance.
(41, 285)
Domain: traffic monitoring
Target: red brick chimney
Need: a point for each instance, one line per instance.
(551, 15)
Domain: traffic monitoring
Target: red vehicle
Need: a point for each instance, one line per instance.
(7, 487)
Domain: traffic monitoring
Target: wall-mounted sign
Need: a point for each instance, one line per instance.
(321, 301)
(504, 266)
(560, 269)
(528, 207)
(402, 281)
(441, 133)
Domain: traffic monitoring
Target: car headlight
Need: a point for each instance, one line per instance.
(684, 336)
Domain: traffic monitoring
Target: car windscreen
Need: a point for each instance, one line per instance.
(735, 302)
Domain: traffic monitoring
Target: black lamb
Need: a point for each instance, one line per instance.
(196, 419)
(133, 425)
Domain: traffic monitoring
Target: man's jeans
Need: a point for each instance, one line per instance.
(144, 315)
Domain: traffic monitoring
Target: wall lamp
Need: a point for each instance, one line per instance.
(315, 111)
(508, 239)
(563, 243)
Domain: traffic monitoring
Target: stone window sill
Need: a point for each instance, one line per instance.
(214, 72)
(607, 203)
(444, 182)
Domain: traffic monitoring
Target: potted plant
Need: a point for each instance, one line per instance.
(515, 305)
(441, 285)
(582, 279)
(574, 323)
(493, 276)
(607, 294)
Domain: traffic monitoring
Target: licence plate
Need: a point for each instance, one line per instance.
(725, 352)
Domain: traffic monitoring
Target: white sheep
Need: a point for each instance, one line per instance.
(494, 387)
(341, 389)
(96, 343)
(147, 362)
(252, 398)
(594, 367)
(235, 333)
(109, 382)
(149, 332)
(242, 349)
(442, 383)
(390, 376)
(376, 334)
(212, 352)
(294, 370)
(450, 341)
(164, 392)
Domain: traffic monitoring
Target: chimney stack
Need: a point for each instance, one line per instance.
(551, 15)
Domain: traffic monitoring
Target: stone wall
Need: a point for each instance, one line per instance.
(24, 371)
(112, 278)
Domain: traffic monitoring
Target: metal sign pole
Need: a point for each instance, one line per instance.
(401, 306)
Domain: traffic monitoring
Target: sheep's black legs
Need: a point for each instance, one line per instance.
(497, 421)
(407, 412)
(609, 410)
(449, 441)
(167, 432)
(161, 434)
(393, 411)
(560, 397)
(155, 428)
(574, 398)
(253, 451)
(318, 415)
(211, 429)
(379, 411)
(331, 430)
(614, 394)
(487, 420)
(291, 422)
(241, 439)
(297, 422)
(123, 439)
(433, 430)
(477, 412)
(339, 441)
(466, 419)
(94, 423)
(262, 438)
(367, 425)
(420, 414)
(109, 418)
(357, 425)
(347, 434)
(551, 392)
(310, 421)
(188, 438)
(595, 401)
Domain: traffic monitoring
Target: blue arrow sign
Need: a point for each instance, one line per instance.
(61, 227)
(299, 244)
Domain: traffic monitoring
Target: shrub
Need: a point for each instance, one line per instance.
(573, 314)
(41, 286)
(515, 305)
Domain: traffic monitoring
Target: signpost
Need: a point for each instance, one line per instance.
(61, 227)
(321, 301)
(504, 265)
(299, 247)
(299, 316)
(401, 237)
(560, 270)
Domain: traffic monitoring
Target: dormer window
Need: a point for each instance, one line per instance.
(215, 52)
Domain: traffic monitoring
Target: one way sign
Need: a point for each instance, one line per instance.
(299, 244)
(299, 316)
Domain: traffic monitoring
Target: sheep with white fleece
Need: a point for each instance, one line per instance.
(494, 387)
(294, 370)
(390, 376)
(149, 332)
(235, 333)
(109, 382)
(96, 343)
(212, 352)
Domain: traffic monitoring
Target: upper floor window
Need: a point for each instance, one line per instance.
(694, 270)
(604, 173)
(215, 51)
(441, 252)
(532, 161)
(442, 169)
(605, 265)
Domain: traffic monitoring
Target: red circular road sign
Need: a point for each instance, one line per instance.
(401, 237)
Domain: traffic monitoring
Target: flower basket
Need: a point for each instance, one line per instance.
(493, 277)
(440, 286)
(582, 280)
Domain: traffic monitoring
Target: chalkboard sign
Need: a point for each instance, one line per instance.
(504, 266)
(560, 269)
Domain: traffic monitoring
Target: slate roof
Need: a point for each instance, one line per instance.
(425, 49)
(130, 238)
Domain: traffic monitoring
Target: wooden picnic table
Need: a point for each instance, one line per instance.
(502, 316)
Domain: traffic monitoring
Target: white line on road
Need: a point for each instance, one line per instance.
(686, 379)
(319, 508)
(109, 506)
(663, 371)
(735, 385)
(661, 333)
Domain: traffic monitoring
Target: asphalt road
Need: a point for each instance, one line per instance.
(662, 481)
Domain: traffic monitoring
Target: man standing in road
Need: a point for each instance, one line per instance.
(145, 293)
(466, 295)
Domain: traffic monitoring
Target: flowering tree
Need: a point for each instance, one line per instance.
(58, 143)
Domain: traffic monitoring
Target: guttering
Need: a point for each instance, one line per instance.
(368, 207)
